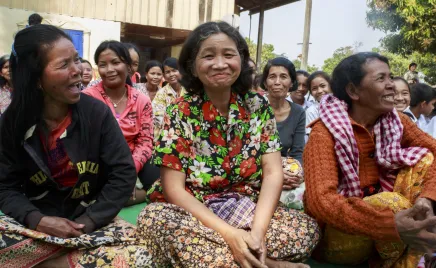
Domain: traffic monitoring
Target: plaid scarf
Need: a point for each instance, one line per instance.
(388, 132)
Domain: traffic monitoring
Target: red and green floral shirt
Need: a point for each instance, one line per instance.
(217, 154)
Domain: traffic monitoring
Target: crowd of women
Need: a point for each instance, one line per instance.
(238, 169)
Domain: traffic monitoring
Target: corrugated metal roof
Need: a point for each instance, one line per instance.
(253, 6)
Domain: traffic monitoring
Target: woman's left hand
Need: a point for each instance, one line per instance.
(291, 181)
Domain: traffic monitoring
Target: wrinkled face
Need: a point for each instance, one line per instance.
(218, 63)
(135, 60)
(86, 73)
(402, 95)
(376, 90)
(61, 78)
(5, 72)
(319, 87)
(172, 75)
(302, 89)
(154, 75)
(278, 82)
(112, 69)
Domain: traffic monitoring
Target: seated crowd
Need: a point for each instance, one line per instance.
(236, 169)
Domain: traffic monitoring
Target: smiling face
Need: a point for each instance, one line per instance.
(319, 87)
(376, 90)
(154, 75)
(298, 95)
(278, 82)
(218, 63)
(172, 76)
(112, 69)
(61, 78)
(86, 73)
(5, 72)
(402, 95)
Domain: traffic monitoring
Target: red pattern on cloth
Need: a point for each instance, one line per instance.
(389, 155)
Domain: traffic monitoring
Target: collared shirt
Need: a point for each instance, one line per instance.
(409, 113)
(164, 97)
(5, 98)
(217, 153)
(305, 105)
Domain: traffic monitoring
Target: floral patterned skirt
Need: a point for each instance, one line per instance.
(114, 245)
(178, 239)
(341, 248)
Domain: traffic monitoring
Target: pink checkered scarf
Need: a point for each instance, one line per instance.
(389, 155)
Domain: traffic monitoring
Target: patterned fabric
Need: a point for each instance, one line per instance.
(293, 198)
(388, 131)
(216, 154)
(164, 97)
(175, 237)
(5, 98)
(346, 249)
(411, 77)
(235, 209)
(112, 245)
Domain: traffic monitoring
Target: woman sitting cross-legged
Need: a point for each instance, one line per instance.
(221, 172)
(131, 109)
(369, 171)
(65, 167)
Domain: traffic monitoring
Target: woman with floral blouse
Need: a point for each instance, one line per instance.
(5, 84)
(221, 173)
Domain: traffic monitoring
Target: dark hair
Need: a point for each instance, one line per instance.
(35, 19)
(315, 75)
(153, 63)
(350, 71)
(302, 72)
(284, 62)
(85, 61)
(3, 60)
(171, 62)
(412, 64)
(130, 46)
(421, 92)
(27, 63)
(118, 48)
(399, 78)
(192, 46)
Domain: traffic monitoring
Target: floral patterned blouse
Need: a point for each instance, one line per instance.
(5, 98)
(216, 153)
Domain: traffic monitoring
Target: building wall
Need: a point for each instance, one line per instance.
(177, 14)
(95, 31)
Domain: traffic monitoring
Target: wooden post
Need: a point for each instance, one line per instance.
(306, 37)
(259, 37)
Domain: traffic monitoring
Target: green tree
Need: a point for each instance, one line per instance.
(267, 52)
(310, 69)
(409, 24)
(339, 54)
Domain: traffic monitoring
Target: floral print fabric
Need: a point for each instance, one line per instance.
(216, 153)
(5, 98)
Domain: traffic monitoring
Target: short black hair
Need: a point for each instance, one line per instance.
(171, 62)
(190, 50)
(130, 46)
(153, 63)
(350, 71)
(399, 78)
(413, 64)
(82, 60)
(35, 19)
(303, 73)
(318, 74)
(284, 62)
(421, 92)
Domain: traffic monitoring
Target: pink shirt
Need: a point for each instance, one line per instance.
(135, 121)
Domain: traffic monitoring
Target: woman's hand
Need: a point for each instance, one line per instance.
(415, 232)
(248, 250)
(291, 181)
(59, 227)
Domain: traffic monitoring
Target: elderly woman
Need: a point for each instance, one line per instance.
(369, 171)
(221, 173)
(65, 169)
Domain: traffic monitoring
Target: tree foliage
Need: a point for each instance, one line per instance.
(410, 25)
(267, 52)
(339, 54)
(310, 69)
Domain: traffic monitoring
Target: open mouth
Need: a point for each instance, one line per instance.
(74, 86)
(389, 98)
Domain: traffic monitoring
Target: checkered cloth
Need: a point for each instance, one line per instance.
(388, 131)
(235, 209)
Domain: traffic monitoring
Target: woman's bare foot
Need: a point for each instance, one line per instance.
(284, 264)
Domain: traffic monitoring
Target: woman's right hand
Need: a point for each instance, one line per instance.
(59, 227)
(291, 181)
(243, 245)
(414, 233)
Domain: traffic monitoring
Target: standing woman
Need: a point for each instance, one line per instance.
(5, 84)
(86, 73)
(131, 108)
(221, 172)
(166, 95)
(278, 79)
(65, 168)
(153, 74)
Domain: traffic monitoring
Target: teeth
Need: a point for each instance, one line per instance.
(388, 98)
